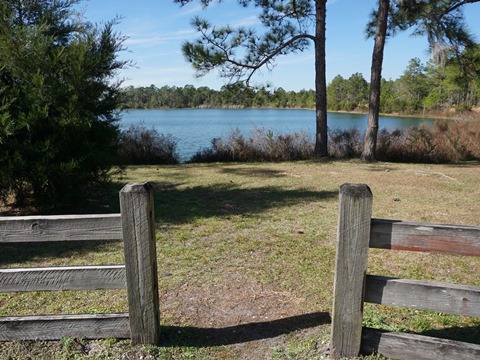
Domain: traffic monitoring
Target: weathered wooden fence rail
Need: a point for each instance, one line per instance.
(135, 225)
(357, 231)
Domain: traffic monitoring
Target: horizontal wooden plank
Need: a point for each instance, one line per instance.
(63, 278)
(60, 228)
(399, 235)
(54, 327)
(401, 346)
(425, 295)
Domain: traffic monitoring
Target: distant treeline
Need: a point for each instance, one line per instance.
(421, 87)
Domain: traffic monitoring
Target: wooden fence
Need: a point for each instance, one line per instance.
(136, 226)
(357, 231)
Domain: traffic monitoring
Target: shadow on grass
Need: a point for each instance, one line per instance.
(469, 334)
(22, 252)
(172, 336)
(181, 205)
(173, 204)
(253, 172)
(102, 200)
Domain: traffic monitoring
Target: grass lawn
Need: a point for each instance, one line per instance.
(246, 258)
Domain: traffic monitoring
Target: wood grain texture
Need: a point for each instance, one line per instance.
(60, 228)
(424, 295)
(452, 239)
(404, 346)
(355, 213)
(63, 278)
(54, 327)
(138, 224)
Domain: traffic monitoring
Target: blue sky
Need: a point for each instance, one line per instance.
(157, 28)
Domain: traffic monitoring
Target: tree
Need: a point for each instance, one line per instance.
(412, 86)
(457, 83)
(336, 91)
(370, 146)
(356, 91)
(443, 24)
(58, 130)
(240, 53)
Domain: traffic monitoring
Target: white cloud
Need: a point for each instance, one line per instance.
(188, 12)
(247, 21)
(331, 2)
(142, 39)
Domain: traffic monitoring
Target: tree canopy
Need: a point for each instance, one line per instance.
(59, 96)
(442, 22)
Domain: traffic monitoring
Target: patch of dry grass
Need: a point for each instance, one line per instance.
(243, 244)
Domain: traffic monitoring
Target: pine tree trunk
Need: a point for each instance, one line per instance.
(321, 136)
(370, 147)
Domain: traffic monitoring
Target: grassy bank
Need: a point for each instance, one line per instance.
(246, 257)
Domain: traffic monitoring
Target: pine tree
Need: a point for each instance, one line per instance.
(58, 118)
(287, 29)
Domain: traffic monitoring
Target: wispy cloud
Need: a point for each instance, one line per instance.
(154, 40)
(331, 2)
(168, 75)
(247, 21)
(188, 12)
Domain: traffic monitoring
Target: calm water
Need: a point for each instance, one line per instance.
(195, 128)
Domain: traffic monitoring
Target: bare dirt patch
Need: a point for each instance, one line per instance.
(234, 310)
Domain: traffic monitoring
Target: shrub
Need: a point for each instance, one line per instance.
(444, 141)
(262, 145)
(345, 144)
(58, 118)
(141, 146)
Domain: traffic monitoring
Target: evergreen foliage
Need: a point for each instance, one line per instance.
(58, 131)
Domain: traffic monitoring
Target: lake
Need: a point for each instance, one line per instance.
(195, 128)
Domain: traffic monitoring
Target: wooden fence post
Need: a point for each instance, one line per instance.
(355, 212)
(138, 226)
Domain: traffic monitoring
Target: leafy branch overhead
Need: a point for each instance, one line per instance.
(238, 53)
(442, 23)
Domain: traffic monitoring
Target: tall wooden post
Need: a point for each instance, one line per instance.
(138, 226)
(353, 236)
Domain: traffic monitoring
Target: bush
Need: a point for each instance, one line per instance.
(263, 145)
(345, 144)
(141, 146)
(58, 118)
(442, 142)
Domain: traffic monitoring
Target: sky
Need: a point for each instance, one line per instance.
(156, 29)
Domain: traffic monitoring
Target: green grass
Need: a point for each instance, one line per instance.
(246, 258)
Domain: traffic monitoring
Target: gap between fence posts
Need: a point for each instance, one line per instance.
(138, 227)
(354, 220)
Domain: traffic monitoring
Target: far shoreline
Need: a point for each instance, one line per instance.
(428, 114)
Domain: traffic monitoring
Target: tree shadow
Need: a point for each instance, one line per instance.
(469, 334)
(23, 252)
(174, 205)
(465, 165)
(103, 199)
(253, 172)
(172, 336)
(181, 205)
